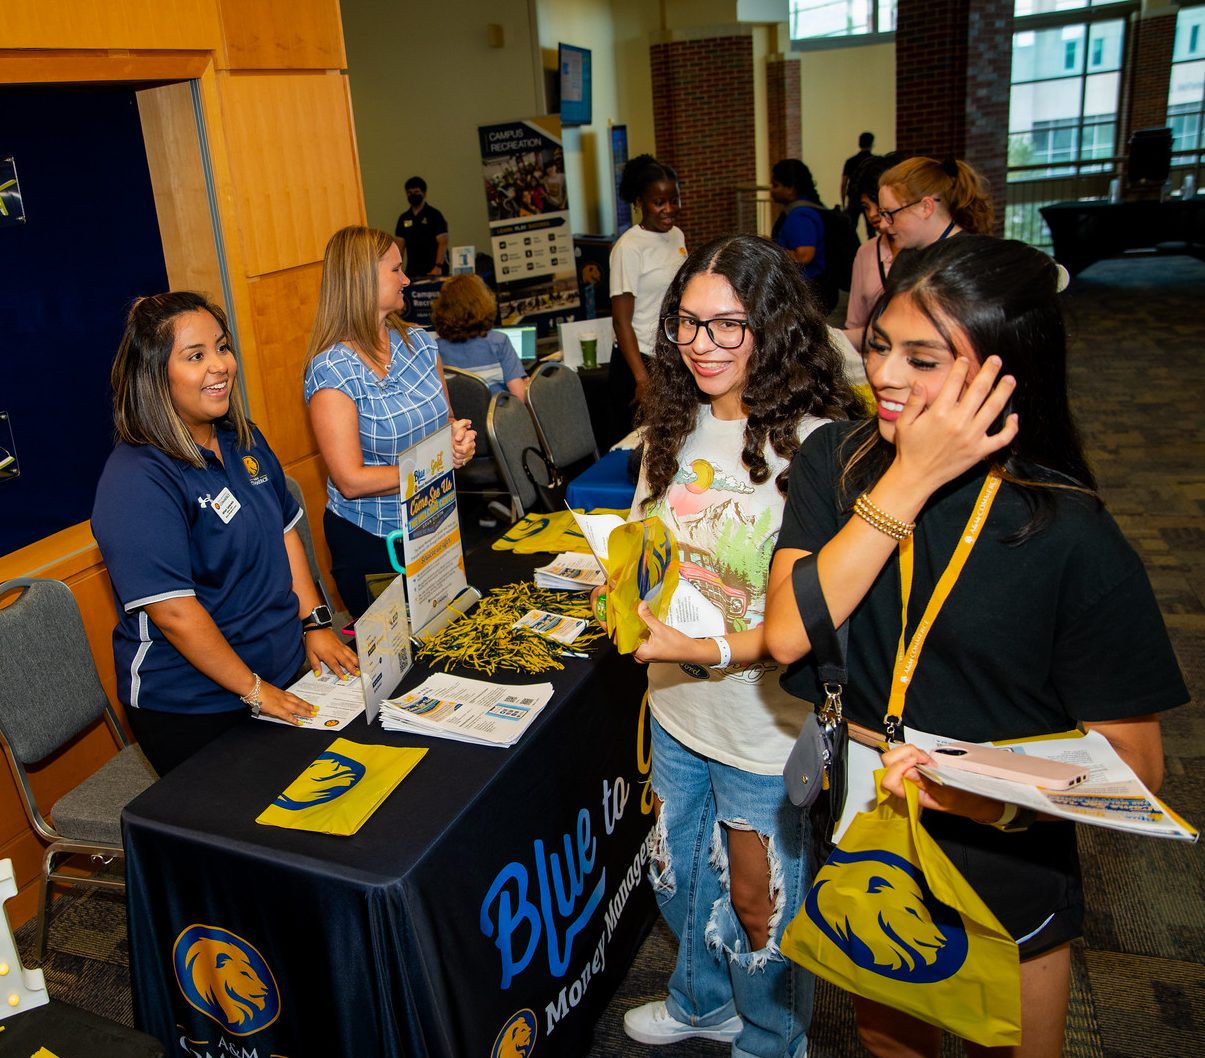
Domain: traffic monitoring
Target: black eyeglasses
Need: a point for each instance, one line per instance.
(725, 333)
(889, 214)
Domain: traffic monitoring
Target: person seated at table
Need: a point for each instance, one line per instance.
(375, 387)
(217, 610)
(743, 370)
(1027, 613)
(464, 315)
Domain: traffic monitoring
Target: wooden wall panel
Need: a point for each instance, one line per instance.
(173, 154)
(283, 34)
(164, 24)
(282, 307)
(293, 164)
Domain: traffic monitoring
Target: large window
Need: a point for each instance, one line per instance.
(825, 19)
(1063, 107)
(1186, 94)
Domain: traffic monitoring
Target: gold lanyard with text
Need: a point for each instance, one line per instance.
(907, 655)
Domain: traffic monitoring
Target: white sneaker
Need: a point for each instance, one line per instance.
(654, 1024)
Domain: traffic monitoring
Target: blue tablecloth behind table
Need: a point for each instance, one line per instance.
(605, 484)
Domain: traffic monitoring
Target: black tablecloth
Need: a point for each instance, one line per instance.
(494, 898)
(1086, 232)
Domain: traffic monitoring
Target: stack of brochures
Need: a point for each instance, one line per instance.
(485, 714)
(570, 571)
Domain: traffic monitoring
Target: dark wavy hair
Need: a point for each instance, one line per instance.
(1002, 295)
(793, 370)
(791, 172)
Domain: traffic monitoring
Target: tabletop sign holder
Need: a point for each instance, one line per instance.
(20, 989)
(437, 591)
(460, 606)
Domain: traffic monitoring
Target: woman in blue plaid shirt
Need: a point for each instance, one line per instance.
(375, 387)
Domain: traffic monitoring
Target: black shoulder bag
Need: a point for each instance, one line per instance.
(816, 763)
(546, 479)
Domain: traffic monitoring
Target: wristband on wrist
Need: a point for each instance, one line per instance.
(1014, 818)
(725, 652)
(253, 698)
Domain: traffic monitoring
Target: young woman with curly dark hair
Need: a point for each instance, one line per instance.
(744, 368)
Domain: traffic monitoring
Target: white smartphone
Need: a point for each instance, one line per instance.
(1005, 764)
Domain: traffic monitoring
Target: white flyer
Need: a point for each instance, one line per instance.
(455, 707)
(554, 626)
(339, 701)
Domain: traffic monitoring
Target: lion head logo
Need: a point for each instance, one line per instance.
(329, 776)
(876, 907)
(252, 466)
(518, 1036)
(226, 979)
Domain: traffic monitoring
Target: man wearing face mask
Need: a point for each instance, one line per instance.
(422, 233)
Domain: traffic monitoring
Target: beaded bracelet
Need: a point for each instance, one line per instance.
(879, 519)
(254, 699)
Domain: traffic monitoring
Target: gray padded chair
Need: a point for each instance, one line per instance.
(511, 430)
(341, 617)
(558, 405)
(49, 694)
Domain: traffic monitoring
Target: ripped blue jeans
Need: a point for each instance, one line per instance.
(716, 975)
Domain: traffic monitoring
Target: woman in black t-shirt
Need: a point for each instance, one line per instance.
(1050, 623)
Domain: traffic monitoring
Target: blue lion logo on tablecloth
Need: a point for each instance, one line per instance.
(893, 926)
(226, 979)
(518, 1036)
(331, 775)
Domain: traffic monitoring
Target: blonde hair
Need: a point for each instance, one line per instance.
(955, 183)
(350, 294)
(143, 412)
(465, 309)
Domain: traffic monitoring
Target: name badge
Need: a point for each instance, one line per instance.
(225, 505)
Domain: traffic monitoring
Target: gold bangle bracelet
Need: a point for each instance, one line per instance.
(879, 519)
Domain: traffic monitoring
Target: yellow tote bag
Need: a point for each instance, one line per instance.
(642, 566)
(555, 532)
(890, 918)
(341, 788)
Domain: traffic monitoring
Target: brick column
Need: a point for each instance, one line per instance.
(953, 62)
(1154, 37)
(703, 121)
(783, 107)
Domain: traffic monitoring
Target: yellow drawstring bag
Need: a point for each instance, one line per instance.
(341, 788)
(642, 566)
(555, 532)
(890, 918)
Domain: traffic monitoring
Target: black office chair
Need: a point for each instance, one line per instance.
(480, 476)
(50, 693)
(562, 417)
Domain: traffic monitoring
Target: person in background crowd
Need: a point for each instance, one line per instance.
(850, 181)
(924, 201)
(1051, 622)
(799, 228)
(375, 387)
(463, 316)
(217, 610)
(644, 260)
(874, 257)
(743, 371)
(422, 233)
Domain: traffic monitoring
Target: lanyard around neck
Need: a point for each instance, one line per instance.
(907, 654)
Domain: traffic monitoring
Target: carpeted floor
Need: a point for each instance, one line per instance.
(1138, 990)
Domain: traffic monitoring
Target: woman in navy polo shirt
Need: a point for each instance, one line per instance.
(375, 387)
(218, 610)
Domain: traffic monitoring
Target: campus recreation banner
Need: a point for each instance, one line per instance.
(430, 530)
(530, 235)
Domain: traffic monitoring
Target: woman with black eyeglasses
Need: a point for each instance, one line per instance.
(923, 201)
(743, 370)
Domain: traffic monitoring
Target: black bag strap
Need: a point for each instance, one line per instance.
(552, 477)
(828, 644)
